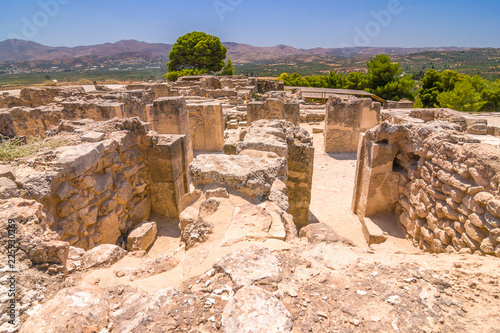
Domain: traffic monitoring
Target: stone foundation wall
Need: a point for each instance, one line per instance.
(442, 184)
(312, 116)
(169, 115)
(207, 126)
(274, 109)
(24, 121)
(103, 193)
(97, 192)
(293, 143)
(345, 120)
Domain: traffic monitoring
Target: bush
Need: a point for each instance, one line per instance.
(10, 149)
(173, 76)
(49, 84)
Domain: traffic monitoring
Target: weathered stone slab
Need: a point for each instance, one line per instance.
(253, 309)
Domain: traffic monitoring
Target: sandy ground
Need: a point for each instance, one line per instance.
(332, 191)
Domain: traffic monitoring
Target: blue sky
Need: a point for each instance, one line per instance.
(302, 24)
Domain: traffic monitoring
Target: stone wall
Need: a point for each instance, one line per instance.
(293, 143)
(24, 121)
(442, 184)
(35, 97)
(274, 109)
(207, 126)
(345, 120)
(98, 191)
(169, 115)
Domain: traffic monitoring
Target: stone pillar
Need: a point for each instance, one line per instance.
(376, 185)
(207, 126)
(168, 173)
(170, 115)
(274, 109)
(346, 120)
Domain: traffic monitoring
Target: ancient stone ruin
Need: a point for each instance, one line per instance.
(224, 204)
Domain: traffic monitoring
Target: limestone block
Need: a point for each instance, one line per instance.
(79, 159)
(8, 188)
(109, 227)
(188, 216)
(250, 265)
(92, 136)
(474, 232)
(170, 115)
(250, 176)
(346, 120)
(207, 126)
(141, 210)
(141, 238)
(274, 109)
(249, 223)
(103, 255)
(57, 252)
(372, 232)
(321, 233)
(253, 309)
(76, 309)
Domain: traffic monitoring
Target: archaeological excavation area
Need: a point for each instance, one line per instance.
(233, 204)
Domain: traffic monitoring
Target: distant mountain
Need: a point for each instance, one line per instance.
(19, 50)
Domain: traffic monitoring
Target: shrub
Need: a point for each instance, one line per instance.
(11, 149)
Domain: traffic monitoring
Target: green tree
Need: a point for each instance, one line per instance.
(431, 88)
(384, 79)
(381, 71)
(356, 80)
(492, 97)
(199, 51)
(228, 68)
(465, 96)
(336, 80)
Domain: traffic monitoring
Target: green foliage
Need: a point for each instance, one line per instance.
(381, 71)
(49, 84)
(464, 97)
(199, 51)
(356, 80)
(10, 149)
(228, 68)
(173, 76)
(383, 79)
(460, 92)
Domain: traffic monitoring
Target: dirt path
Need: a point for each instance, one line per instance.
(333, 185)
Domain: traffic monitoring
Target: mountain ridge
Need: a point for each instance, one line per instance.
(12, 50)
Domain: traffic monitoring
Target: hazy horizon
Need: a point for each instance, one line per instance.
(303, 25)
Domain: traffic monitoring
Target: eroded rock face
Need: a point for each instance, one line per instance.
(83, 308)
(250, 176)
(253, 309)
